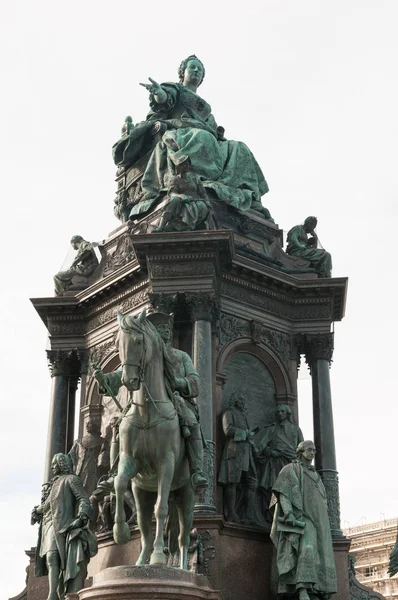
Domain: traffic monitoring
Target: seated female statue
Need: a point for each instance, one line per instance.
(225, 167)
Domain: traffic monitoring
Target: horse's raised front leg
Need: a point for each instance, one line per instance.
(165, 478)
(128, 468)
(185, 504)
(145, 501)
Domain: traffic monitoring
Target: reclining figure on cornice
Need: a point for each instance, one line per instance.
(179, 129)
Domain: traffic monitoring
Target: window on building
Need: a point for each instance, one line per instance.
(370, 571)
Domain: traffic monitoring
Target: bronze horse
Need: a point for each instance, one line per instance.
(152, 451)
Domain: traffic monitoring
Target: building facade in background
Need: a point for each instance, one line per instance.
(371, 545)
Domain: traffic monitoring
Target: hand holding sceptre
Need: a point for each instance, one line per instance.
(156, 90)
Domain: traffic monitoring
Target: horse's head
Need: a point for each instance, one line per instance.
(135, 348)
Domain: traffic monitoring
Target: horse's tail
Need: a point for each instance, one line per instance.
(172, 525)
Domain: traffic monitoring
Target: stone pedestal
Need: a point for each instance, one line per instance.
(245, 314)
(149, 583)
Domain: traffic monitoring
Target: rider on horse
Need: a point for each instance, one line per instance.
(186, 389)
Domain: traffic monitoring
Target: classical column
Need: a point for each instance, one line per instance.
(318, 354)
(203, 308)
(65, 368)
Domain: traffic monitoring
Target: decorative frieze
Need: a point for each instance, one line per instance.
(192, 268)
(274, 302)
(231, 328)
(277, 340)
(66, 327)
(100, 352)
(110, 314)
(123, 254)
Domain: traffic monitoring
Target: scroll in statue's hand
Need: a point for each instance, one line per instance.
(290, 520)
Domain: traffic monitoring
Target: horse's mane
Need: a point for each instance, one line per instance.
(145, 327)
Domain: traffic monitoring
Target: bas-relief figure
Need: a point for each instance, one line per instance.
(301, 530)
(83, 265)
(90, 456)
(299, 244)
(65, 543)
(276, 447)
(237, 462)
(226, 168)
(152, 430)
(103, 497)
(187, 205)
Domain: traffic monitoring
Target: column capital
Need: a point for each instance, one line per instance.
(162, 302)
(71, 363)
(203, 306)
(318, 346)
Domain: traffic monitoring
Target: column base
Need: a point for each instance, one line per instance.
(149, 583)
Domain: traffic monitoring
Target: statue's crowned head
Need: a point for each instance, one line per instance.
(191, 61)
(163, 323)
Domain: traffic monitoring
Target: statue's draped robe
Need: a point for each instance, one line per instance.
(237, 456)
(67, 500)
(303, 560)
(226, 167)
(284, 437)
(297, 245)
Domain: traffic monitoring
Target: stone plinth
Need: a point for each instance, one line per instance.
(149, 583)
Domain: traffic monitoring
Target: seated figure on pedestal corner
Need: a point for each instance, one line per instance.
(186, 390)
(90, 456)
(301, 530)
(84, 264)
(299, 244)
(225, 167)
(237, 462)
(65, 543)
(276, 447)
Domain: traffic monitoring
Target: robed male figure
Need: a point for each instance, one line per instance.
(301, 529)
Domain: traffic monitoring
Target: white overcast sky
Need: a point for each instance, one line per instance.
(309, 85)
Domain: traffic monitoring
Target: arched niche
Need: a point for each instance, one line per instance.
(258, 374)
